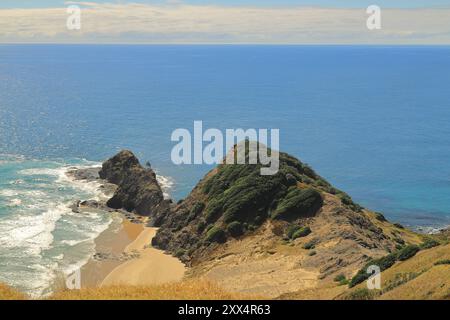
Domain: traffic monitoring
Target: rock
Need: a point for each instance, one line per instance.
(76, 207)
(89, 174)
(138, 190)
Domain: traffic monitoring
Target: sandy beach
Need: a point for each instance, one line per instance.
(125, 256)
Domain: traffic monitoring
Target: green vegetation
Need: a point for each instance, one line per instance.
(235, 229)
(442, 262)
(407, 252)
(361, 294)
(341, 279)
(429, 243)
(302, 232)
(196, 210)
(215, 234)
(383, 263)
(380, 217)
(310, 245)
(348, 201)
(294, 231)
(240, 194)
(298, 202)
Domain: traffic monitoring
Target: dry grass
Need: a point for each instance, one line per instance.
(186, 290)
(7, 293)
(416, 278)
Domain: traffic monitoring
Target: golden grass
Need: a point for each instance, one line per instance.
(186, 290)
(7, 293)
(423, 280)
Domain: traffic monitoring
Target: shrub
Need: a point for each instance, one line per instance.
(302, 232)
(310, 245)
(215, 234)
(407, 252)
(179, 253)
(442, 262)
(197, 208)
(201, 226)
(398, 225)
(380, 217)
(429, 243)
(347, 200)
(298, 203)
(361, 294)
(341, 279)
(383, 263)
(291, 230)
(312, 253)
(235, 229)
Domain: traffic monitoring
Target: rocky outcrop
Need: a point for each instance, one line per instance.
(138, 190)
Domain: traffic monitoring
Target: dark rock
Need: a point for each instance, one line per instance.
(138, 190)
(89, 174)
(76, 207)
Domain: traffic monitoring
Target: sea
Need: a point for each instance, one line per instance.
(372, 120)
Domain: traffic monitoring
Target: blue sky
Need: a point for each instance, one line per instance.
(325, 3)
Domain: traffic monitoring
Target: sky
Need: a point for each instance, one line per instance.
(226, 21)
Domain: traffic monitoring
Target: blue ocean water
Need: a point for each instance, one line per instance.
(373, 120)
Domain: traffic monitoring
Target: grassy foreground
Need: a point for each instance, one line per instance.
(186, 290)
(7, 293)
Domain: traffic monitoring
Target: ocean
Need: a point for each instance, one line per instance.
(372, 120)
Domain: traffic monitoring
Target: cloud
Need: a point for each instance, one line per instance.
(179, 23)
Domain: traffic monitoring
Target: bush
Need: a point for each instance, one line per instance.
(291, 230)
(383, 263)
(347, 200)
(201, 226)
(179, 253)
(312, 253)
(407, 252)
(302, 232)
(197, 208)
(310, 245)
(298, 203)
(380, 217)
(398, 225)
(341, 279)
(216, 234)
(235, 229)
(361, 294)
(429, 243)
(442, 262)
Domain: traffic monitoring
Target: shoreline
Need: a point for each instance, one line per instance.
(109, 248)
(124, 256)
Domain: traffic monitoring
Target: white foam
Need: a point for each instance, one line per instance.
(32, 232)
(15, 202)
(9, 193)
(166, 184)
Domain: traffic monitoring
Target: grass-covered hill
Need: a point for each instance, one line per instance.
(233, 201)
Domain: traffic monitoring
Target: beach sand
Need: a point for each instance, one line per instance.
(152, 267)
(130, 259)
